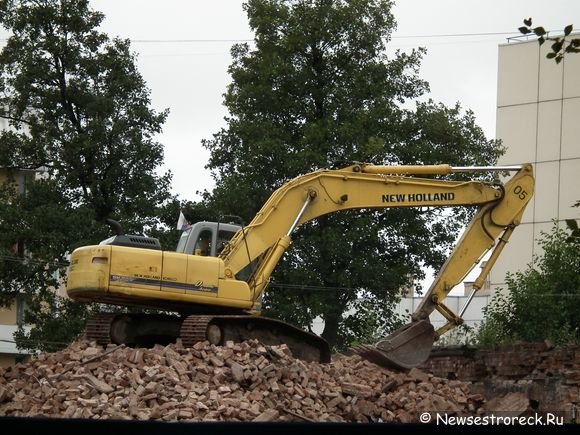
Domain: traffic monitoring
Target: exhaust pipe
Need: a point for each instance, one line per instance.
(115, 226)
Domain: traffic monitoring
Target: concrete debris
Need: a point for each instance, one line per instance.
(245, 381)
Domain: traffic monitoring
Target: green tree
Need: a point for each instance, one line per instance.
(542, 302)
(78, 113)
(318, 90)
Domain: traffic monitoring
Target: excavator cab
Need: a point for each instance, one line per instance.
(206, 238)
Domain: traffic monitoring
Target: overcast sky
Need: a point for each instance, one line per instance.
(183, 48)
(183, 54)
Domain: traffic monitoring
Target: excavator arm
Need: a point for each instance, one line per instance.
(500, 210)
(489, 230)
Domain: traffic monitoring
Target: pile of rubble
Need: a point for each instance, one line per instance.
(237, 382)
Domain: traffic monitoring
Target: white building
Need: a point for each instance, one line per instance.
(538, 120)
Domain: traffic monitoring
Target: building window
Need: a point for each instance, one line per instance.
(20, 309)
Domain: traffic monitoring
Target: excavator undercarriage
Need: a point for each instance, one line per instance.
(146, 330)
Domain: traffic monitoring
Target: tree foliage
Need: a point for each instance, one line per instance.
(561, 45)
(542, 302)
(318, 89)
(79, 116)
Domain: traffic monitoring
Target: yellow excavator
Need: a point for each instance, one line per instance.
(217, 276)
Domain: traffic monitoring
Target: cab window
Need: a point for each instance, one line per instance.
(223, 238)
(183, 240)
(203, 244)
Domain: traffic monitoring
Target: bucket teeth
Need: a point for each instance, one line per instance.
(374, 355)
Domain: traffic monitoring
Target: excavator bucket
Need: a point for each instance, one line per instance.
(405, 348)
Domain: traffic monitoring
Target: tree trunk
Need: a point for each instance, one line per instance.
(331, 321)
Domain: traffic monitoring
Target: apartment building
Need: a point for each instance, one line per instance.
(538, 120)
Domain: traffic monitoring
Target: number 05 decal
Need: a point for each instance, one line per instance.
(520, 192)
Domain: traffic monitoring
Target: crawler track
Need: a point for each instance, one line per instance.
(146, 330)
(99, 328)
